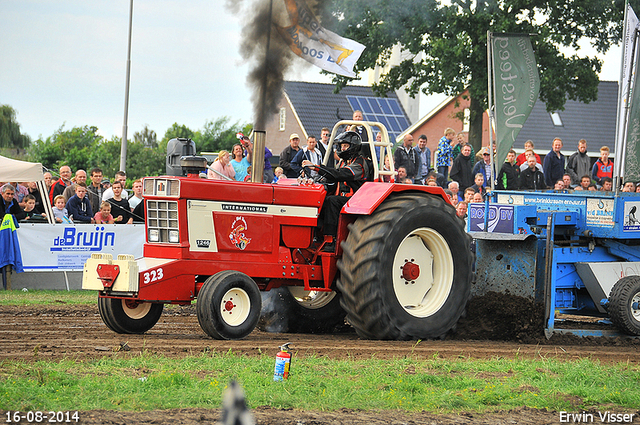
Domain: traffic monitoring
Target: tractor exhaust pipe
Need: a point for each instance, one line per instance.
(257, 162)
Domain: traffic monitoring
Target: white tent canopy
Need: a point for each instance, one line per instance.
(20, 171)
(13, 170)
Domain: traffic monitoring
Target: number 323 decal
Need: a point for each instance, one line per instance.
(153, 275)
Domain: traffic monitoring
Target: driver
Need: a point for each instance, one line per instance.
(352, 172)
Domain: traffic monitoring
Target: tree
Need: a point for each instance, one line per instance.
(10, 135)
(447, 44)
(142, 161)
(147, 137)
(219, 134)
(67, 147)
(177, 131)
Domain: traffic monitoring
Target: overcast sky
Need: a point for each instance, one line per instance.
(64, 62)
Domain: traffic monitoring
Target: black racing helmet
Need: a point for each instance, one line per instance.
(354, 141)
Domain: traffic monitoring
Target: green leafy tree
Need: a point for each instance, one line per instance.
(67, 147)
(142, 161)
(147, 137)
(446, 44)
(10, 135)
(219, 134)
(106, 156)
(177, 131)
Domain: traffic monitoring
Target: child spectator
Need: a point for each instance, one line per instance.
(585, 181)
(603, 167)
(522, 158)
(607, 184)
(79, 206)
(444, 154)
(509, 173)
(478, 186)
(60, 213)
(29, 209)
(104, 215)
(277, 174)
(247, 178)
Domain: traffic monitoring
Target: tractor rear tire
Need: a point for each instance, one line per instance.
(624, 305)
(128, 316)
(228, 305)
(406, 270)
(291, 309)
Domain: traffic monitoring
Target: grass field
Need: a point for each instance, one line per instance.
(149, 382)
(41, 297)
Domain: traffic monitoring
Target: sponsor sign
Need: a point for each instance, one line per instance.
(500, 218)
(600, 212)
(67, 246)
(631, 217)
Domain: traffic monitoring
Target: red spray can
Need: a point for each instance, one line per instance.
(283, 363)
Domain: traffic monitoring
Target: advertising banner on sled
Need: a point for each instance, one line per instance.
(66, 247)
(516, 83)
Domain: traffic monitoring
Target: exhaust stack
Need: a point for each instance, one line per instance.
(257, 164)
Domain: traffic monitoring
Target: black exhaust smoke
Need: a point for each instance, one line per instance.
(268, 68)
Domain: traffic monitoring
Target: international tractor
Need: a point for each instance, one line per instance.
(401, 268)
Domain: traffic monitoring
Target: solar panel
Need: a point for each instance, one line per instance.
(381, 109)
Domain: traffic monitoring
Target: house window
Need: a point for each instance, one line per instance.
(283, 119)
(555, 117)
(466, 120)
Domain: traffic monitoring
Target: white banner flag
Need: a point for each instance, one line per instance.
(321, 47)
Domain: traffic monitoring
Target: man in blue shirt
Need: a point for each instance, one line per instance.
(553, 164)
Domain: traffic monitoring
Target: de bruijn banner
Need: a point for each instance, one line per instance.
(323, 48)
(516, 83)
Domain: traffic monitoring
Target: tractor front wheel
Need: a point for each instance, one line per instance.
(624, 305)
(406, 270)
(292, 309)
(228, 305)
(128, 316)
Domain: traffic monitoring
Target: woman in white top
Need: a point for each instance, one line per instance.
(222, 165)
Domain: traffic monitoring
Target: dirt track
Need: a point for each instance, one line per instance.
(53, 333)
(77, 332)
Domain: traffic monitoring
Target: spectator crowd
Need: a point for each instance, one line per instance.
(464, 175)
(73, 200)
(454, 166)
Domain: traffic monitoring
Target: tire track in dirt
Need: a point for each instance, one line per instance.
(77, 332)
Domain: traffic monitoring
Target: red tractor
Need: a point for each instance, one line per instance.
(402, 268)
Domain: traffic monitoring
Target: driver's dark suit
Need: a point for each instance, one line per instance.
(349, 176)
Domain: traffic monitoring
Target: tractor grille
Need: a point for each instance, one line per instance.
(162, 222)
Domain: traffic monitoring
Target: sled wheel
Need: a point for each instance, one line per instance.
(228, 305)
(294, 310)
(406, 270)
(128, 316)
(624, 305)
